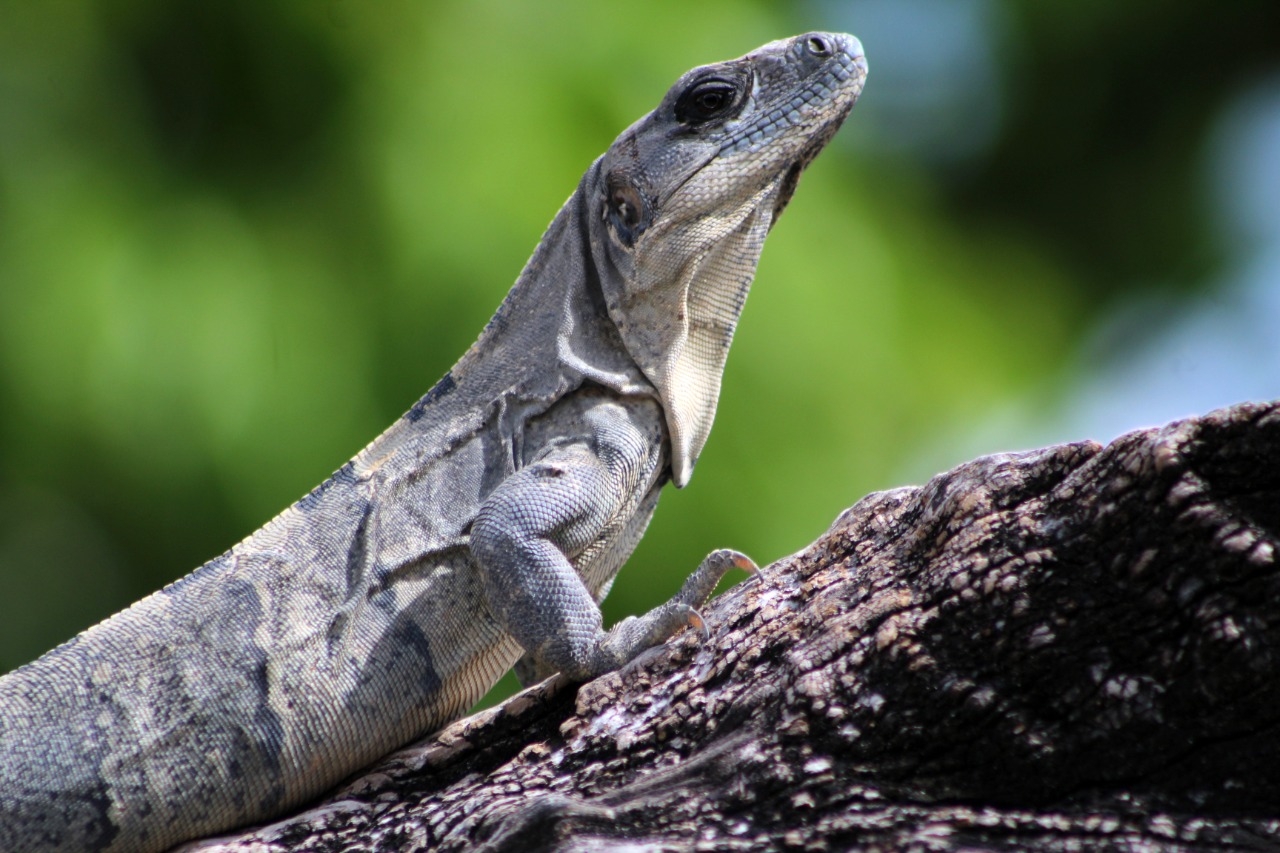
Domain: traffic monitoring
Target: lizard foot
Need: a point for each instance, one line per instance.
(635, 634)
(699, 586)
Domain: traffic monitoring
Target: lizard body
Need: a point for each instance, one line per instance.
(486, 523)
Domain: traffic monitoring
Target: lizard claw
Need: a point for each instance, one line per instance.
(741, 561)
(697, 623)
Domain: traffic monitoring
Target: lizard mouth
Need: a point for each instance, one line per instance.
(791, 178)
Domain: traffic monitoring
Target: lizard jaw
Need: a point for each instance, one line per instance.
(786, 189)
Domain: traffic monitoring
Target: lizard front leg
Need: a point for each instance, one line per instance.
(528, 529)
(637, 632)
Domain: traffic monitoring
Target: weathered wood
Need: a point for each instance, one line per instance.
(1072, 648)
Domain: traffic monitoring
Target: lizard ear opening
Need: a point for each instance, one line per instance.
(626, 210)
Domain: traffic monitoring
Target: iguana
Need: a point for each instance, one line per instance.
(487, 522)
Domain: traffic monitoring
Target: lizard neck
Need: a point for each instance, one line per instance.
(555, 321)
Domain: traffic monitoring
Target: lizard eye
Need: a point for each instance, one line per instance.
(705, 101)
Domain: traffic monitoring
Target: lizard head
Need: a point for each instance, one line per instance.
(687, 195)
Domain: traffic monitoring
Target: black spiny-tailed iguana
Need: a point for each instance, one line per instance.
(490, 519)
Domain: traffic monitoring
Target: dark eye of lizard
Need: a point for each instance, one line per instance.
(705, 101)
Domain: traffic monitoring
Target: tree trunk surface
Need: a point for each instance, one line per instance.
(1072, 648)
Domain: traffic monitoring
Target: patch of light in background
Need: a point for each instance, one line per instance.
(1148, 362)
(937, 93)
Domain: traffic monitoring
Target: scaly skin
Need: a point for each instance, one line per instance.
(490, 519)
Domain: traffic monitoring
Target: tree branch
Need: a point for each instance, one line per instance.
(1070, 648)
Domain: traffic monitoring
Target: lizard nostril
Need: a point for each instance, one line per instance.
(818, 46)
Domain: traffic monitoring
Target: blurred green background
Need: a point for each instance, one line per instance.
(238, 239)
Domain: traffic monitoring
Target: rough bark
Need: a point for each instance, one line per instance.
(1071, 648)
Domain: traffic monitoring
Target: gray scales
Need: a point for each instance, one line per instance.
(485, 524)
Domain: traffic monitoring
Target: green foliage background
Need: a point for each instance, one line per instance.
(237, 240)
